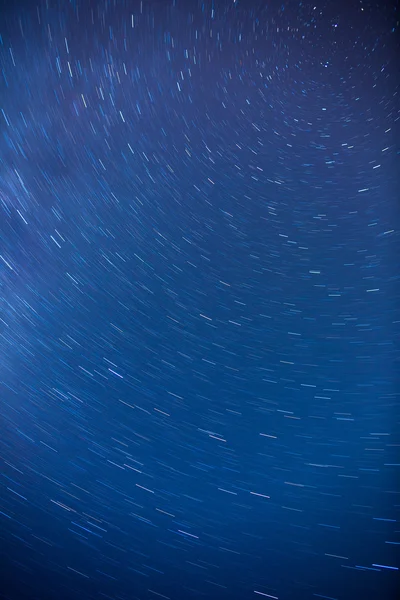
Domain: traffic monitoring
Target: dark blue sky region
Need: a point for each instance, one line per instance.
(199, 293)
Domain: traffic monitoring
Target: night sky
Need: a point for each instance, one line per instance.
(199, 293)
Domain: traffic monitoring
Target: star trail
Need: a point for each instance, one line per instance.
(199, 293)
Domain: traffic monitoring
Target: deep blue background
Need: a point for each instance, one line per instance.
(199, 285)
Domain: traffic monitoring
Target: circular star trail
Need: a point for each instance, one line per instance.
(198, 300)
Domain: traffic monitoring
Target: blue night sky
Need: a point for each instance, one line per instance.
(199, 294)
